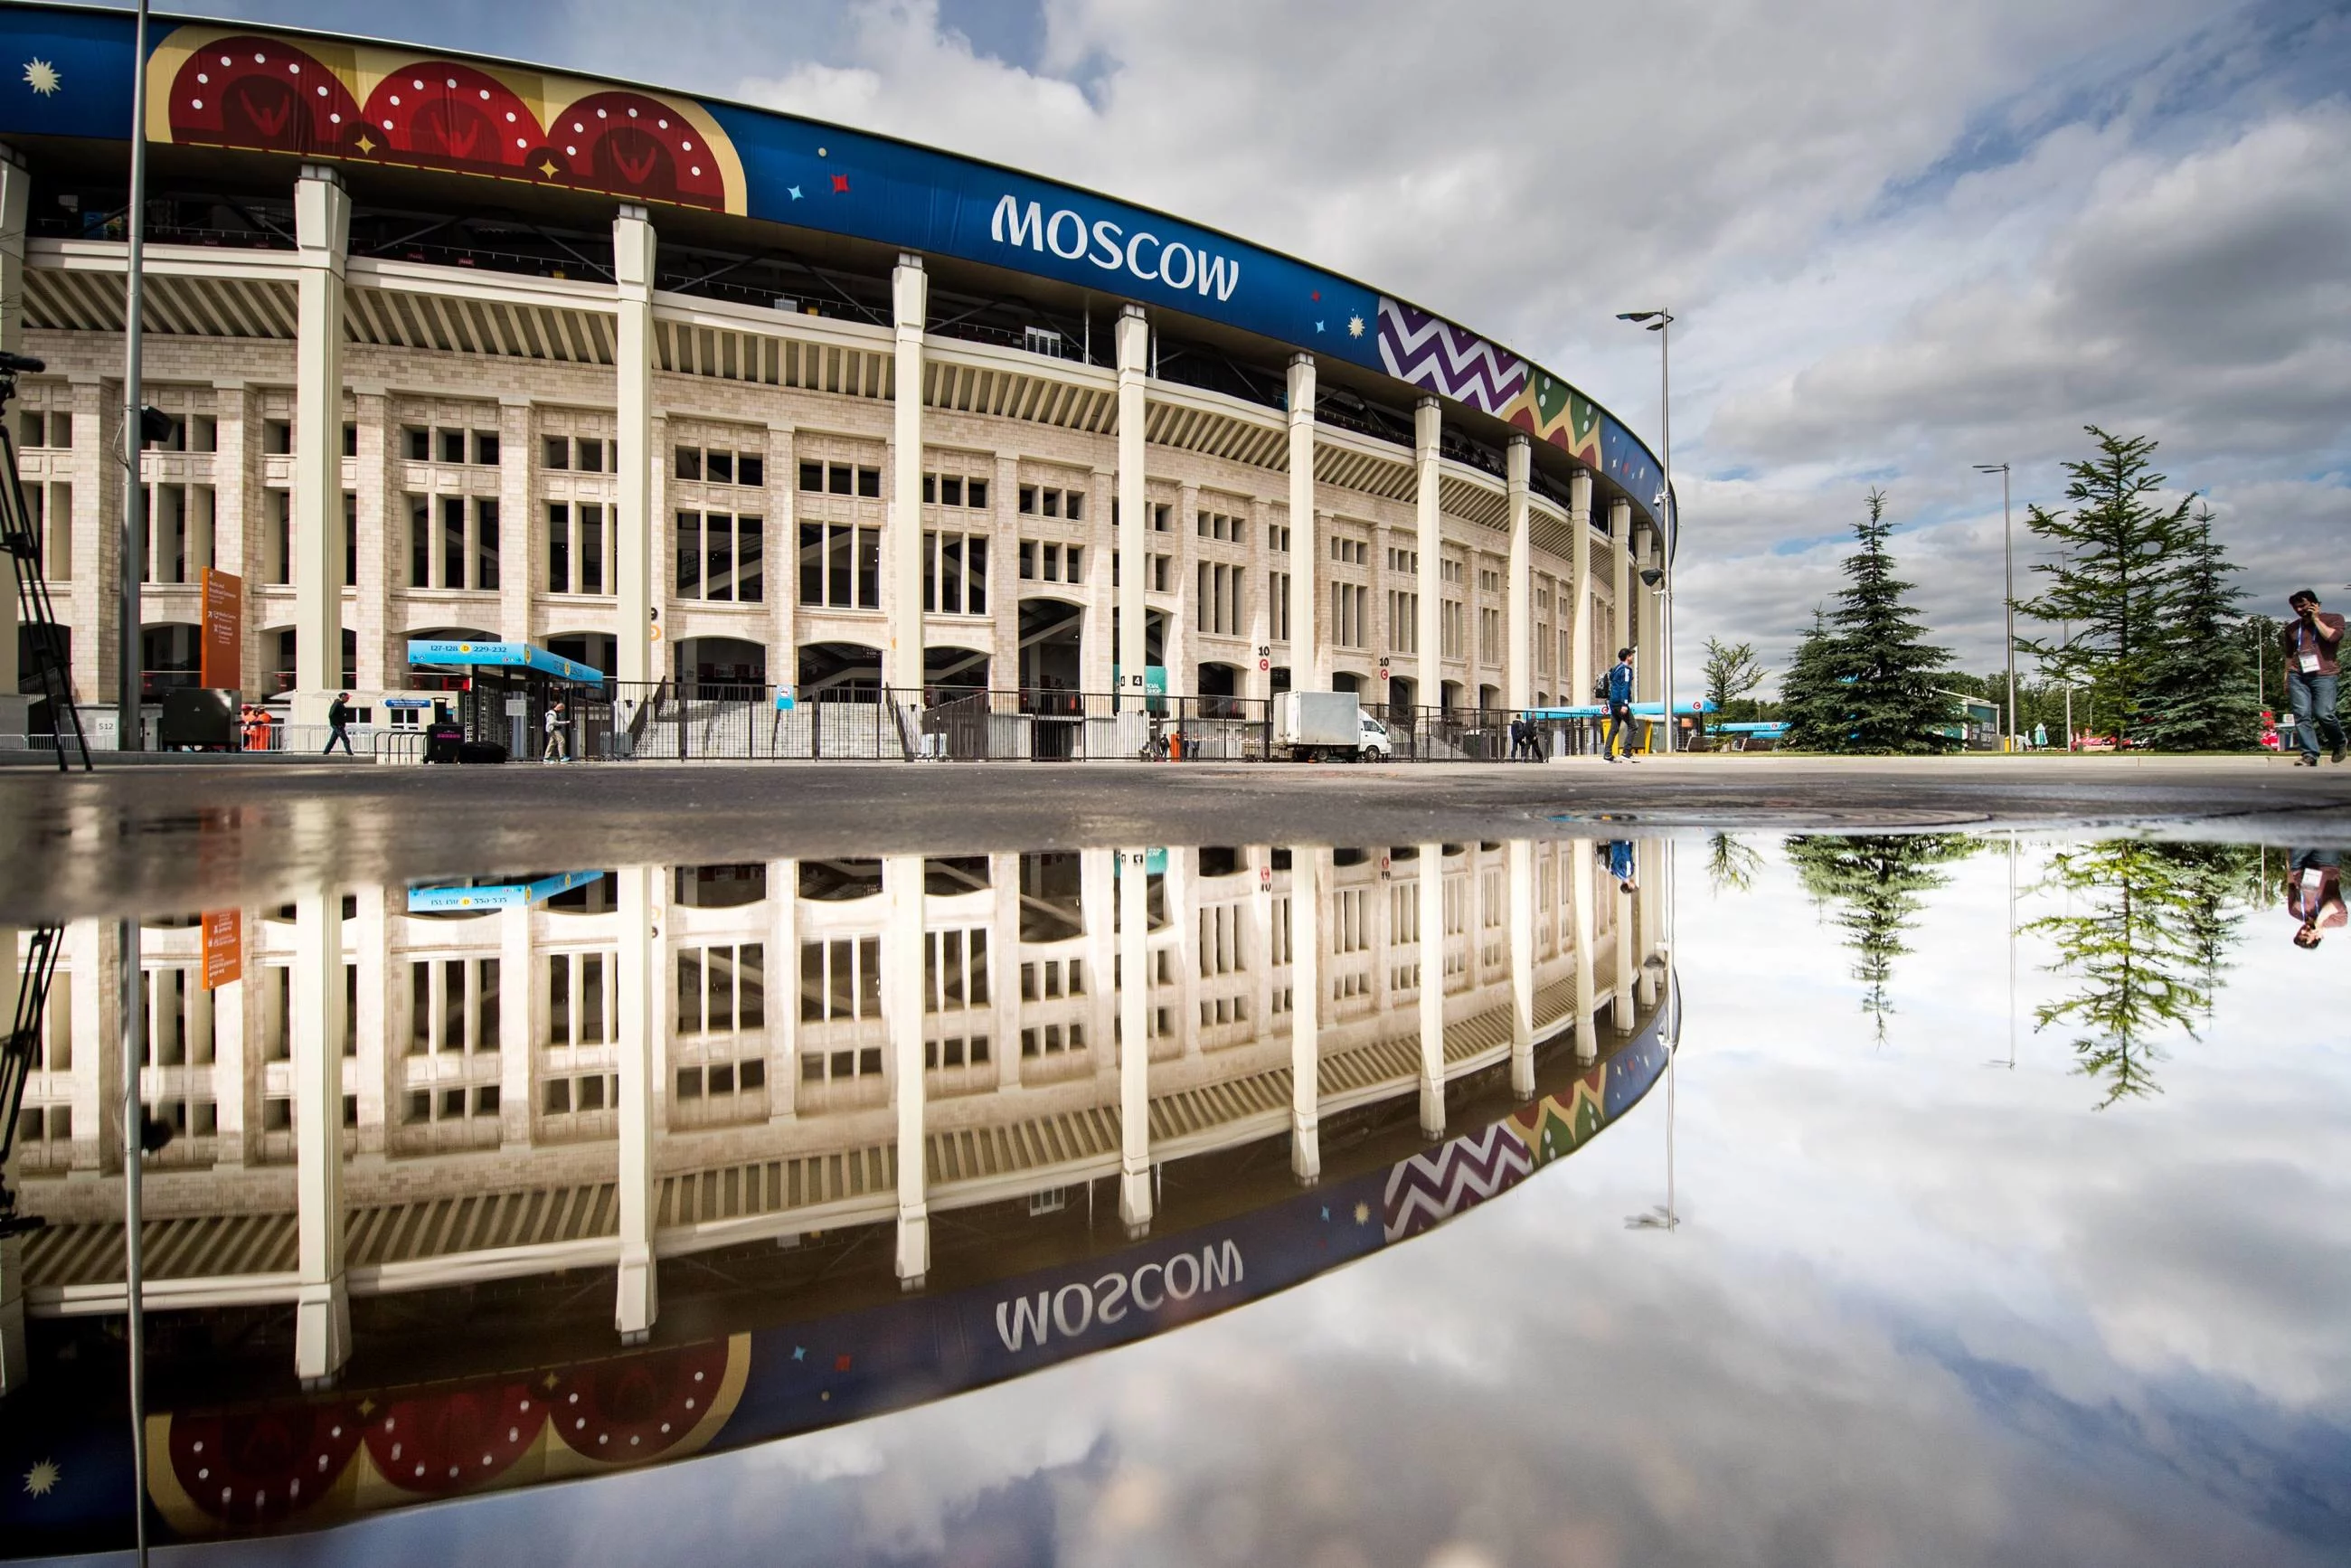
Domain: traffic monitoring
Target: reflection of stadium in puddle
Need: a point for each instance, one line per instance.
(552, 1134)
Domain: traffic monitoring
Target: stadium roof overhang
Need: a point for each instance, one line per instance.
(230, 108)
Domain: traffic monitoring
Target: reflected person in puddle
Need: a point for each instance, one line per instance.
(2313, 894)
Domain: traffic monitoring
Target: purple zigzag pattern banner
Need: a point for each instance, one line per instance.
(1437, 356)
(1429, 1190)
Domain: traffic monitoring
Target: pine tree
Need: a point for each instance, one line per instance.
(1888, 672)
(1812, 696)
(2200, 695)
(2118, 579)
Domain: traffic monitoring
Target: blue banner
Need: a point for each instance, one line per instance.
(522, 655)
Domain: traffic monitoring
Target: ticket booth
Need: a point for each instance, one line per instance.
(499, 710)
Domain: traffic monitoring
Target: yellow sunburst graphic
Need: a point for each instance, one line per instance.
(42, 1479)
(41, 77)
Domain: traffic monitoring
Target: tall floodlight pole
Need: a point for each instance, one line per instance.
(1661, 321)
(2008, 602)
(127, 739)
(129, 652)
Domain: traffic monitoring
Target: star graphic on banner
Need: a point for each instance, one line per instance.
(547, 167)
(840, 184)
(367, 1407)
(42, 1479)
(1354, 326)
(1318, 326)
(1326, 1212)
(795, 190)
(366, 143)
(1363, 1214)
(799, 1352)
(42, 77)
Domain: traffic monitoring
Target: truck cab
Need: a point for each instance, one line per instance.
(1376, 745)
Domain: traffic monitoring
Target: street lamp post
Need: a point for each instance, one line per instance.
(1661, 321)
(2008, 600)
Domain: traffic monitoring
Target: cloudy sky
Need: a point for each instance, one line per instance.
(1901, 239)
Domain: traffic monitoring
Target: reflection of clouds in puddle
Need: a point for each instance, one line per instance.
(1919, 1310)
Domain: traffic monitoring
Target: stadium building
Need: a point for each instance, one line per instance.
(687, 390)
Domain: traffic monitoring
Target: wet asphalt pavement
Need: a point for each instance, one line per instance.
(165, 837)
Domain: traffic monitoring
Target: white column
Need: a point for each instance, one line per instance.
(1587, 1006)
(16, 190)
(901, 1006)
(637, 1299)
(1308, 877)
(1432, 990)
(901, 538)
(635, 655)
(322, 224)
(1256, 684)
(1427, 427)
(1580, 672)
(1134, 1040)
(1523, 966)
(1134, 338)
(1310, 656)
(1620, 1003)
(1519, 661)
(1620, 538)
(322, 1312)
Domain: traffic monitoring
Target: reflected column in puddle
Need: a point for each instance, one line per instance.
(1135, 1040)
(1432, 991)
(322, 1312)
(638, 1299)
(1523, 966)
(1580, 911)
(902, 980)
(1309, 878)
(1621, 934)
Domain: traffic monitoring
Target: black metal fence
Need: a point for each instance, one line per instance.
(679, 721)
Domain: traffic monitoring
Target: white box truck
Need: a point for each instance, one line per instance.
(1310, 726)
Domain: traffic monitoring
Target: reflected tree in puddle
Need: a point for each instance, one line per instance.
(1732, 864)
(1879, 883)
(2147, 931)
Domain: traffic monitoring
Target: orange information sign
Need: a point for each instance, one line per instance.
(223, 947)
(221, 657)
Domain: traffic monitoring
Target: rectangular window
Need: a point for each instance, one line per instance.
(485, 448)
(718, 467)
(869, 483)
(417, 442)
(453, 542)
(591, 548)
(557, 451)
(689, 463)
(420, 541)
(453, 445)
(486, 543)
(954, 573)
(841, 480)
(841, 566)
(558, 548)
(591, 455)
(812, 477)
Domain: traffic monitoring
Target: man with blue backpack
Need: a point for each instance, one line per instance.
(1620, 707)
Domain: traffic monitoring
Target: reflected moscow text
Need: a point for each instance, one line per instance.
(603, 1196)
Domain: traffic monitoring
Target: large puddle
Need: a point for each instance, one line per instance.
(1938, 1198)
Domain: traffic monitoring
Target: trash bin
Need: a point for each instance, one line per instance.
(442, 742)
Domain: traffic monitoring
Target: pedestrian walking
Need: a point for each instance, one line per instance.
(2313, 894)
(1620, 707)
(2312, 639)
(338, 721)
(1620, 864)
(1518, 728)
(557, 749)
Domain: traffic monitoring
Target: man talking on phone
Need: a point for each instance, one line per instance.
(2310, 641)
